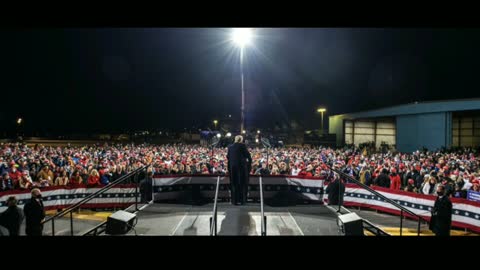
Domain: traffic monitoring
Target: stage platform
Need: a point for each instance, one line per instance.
(174, 219)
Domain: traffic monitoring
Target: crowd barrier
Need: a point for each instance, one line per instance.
(62, 197)
(170, 188)
(466, 214)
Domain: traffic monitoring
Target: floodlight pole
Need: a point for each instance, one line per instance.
(242, 124)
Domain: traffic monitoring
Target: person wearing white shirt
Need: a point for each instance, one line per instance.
(295, 171)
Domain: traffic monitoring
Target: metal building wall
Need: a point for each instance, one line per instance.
(430, 130)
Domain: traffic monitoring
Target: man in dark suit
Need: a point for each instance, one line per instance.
(34, 214)
(146, 186)
(12, 218)
(335, 191)
(382, 180)
(441, 220)
(239, 165)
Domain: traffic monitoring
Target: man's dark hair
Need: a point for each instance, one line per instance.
(12, 199)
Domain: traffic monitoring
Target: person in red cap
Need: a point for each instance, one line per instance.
(410, 186)
(14, 174)
(476, 185)
(395, 182)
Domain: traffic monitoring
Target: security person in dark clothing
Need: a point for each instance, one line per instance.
(146, 186)
(441, 220)
(34, 214)
(239, 165)
(12, 218)
(335, 191)
(383, 180)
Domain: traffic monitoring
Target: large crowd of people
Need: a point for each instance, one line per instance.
(27, 167)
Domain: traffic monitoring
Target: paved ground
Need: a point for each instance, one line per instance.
(83, 221)
(174, 219)
(391, 224)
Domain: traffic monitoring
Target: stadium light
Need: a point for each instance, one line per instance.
(242, 37)
(244, 131)
(229, 135)
(258, 131)
(219, 135)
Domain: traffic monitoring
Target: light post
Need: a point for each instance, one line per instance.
(19, 127)
(242, 37)
(321, 111)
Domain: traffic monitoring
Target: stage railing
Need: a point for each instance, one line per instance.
(402, 209)
(71, 209)
(263, 222)
(213, 218)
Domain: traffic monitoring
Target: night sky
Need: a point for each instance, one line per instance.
(80, 80)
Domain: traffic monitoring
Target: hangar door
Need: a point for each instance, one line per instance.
(362, 131)
(466, 131)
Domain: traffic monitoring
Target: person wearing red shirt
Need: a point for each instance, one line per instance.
(395, 182)
(94, 178)
(14, 174)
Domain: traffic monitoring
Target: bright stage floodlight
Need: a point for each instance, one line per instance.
(229, 134)
(219, 135)
(242, 36)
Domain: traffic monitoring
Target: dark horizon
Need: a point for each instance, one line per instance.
(85, 80)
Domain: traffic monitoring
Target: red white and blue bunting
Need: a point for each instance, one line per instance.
(466, 214)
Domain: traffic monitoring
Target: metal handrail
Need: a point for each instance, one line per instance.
(263, 221)
(403, 209)
(373, 228)
(95, 230)
(70, 209)
(213, 219)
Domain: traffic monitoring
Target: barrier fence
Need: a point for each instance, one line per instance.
(466, 214)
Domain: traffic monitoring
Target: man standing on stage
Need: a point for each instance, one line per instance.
(239, 164)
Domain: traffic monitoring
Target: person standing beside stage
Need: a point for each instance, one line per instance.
(12, 218)
(441, 220)
(239, 165)
(146, 187)
(335, 190)
(34, 214)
